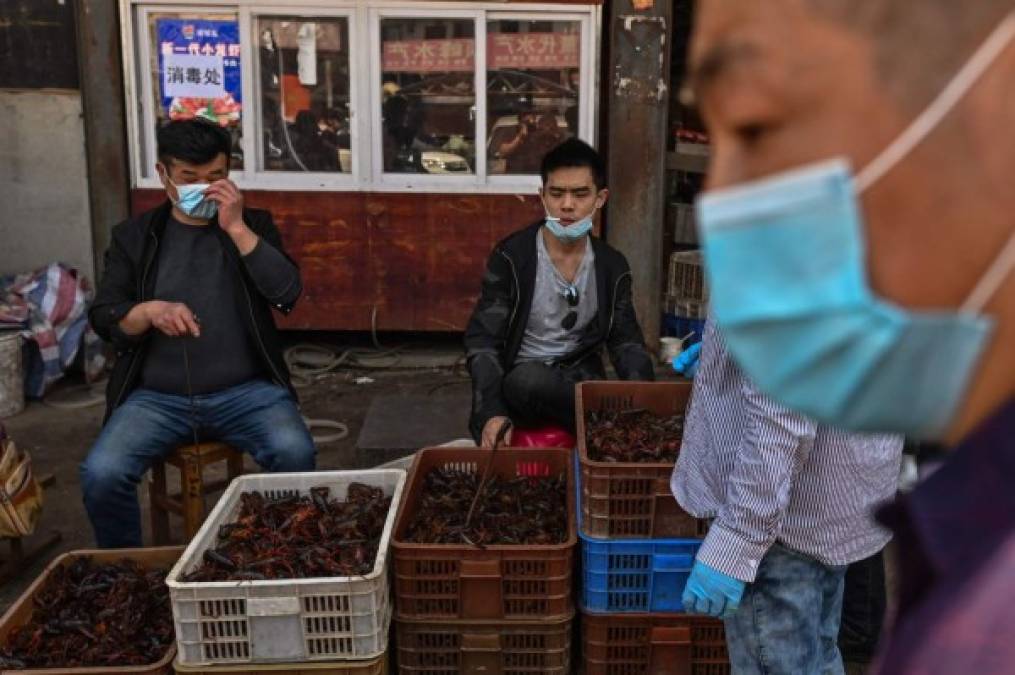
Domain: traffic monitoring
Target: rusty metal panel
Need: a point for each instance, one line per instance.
(640, 33)
(414, 259)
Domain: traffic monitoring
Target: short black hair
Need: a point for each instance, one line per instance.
(192, 141)
(575, 153)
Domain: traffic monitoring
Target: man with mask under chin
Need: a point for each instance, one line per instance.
(553, 297)
(186, 299)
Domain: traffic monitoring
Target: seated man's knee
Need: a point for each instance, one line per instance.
(523, 382)
(102, 475)
(290, 448)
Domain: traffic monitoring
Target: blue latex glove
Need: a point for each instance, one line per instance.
(686, 362)
(709, 591)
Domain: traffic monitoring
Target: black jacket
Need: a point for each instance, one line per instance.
(129, 278)
(495, 331)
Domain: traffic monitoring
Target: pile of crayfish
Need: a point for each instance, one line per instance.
(90, 615)
(635, 435)
(526, 510)
(298, 537)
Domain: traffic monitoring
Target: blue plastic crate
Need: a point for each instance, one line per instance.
(633, 575)
(680, 326)
(636, 575)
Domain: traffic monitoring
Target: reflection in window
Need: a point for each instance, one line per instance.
(195, 71)
(428, 95)
(304, 92)
(533, 78)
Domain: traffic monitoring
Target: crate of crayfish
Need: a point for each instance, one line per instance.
(289, 568)
(629, 436)
(512, 560)
(94, 611)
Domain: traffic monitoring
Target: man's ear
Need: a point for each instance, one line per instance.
(603, 195)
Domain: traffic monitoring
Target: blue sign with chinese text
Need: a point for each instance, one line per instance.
(199, 69)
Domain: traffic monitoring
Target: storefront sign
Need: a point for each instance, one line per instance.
(521, 51)
(199, 69)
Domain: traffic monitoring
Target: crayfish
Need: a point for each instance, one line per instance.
(298, 537)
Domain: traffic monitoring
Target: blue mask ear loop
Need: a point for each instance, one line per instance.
(165, 176)
(925, 123)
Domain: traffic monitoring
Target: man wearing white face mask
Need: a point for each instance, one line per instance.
(553, 297)
(186, 299)
(863, 275)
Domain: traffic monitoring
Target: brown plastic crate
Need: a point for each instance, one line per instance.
(459, 581)
(378, 666)
(487, 647)
(20, 612)
(623, 500)
(653, 644)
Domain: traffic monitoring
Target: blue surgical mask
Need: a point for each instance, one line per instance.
(190, 200)
(569, 233)
(786, 261)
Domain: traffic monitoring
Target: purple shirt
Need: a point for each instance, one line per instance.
(956, 538)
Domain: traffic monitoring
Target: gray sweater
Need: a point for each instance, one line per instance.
(193, 268)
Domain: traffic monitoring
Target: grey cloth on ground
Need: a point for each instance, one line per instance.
(545, 337)
(193, 268)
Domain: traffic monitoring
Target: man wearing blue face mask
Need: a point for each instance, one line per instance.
(186, 298)
(553, 297)
(863, 273)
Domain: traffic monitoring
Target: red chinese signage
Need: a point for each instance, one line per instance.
(521, 51)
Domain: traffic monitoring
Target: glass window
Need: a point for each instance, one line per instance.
(304, 85)
(428, 95)
(533, 76)
(195, 71)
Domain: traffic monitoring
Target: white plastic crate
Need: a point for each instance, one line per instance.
(320, 619)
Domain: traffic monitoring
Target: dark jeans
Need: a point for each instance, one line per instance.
(540, 394)
(863, 609)
(257, 417)
(788, 618)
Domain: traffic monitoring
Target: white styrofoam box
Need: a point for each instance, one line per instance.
(320, 619)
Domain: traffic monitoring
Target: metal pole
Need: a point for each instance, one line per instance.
(101, 68)
(638, 103)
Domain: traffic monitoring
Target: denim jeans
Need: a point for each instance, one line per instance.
(788, 621)
(257, 417)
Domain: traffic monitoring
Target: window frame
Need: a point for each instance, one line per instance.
(363, 18)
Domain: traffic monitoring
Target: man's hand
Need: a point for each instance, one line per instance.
(230, 201)
(172, 318)
(492, 428)
(709, 591)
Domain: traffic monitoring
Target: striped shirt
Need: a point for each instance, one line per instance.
(766, 475)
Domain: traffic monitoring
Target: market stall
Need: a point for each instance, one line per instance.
(394, 142)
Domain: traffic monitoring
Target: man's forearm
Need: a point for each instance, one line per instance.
(138, 320)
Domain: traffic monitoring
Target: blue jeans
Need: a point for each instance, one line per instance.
(788, 621)
(257, 417)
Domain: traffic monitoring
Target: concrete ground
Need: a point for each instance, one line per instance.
(58, 439)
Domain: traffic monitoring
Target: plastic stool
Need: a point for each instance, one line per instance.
(190, 460)
(543, 437)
